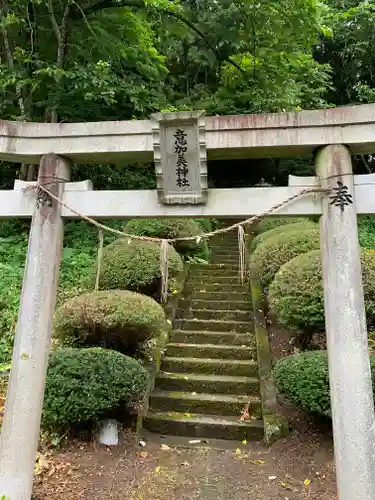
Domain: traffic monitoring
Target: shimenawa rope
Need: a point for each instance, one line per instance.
(165, 241)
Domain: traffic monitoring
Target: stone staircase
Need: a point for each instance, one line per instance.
(209, 374)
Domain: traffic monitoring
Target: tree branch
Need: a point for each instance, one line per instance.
(9, 55)
(140, 4)
(54, 23)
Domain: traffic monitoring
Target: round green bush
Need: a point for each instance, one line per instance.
(172, 228)
(304, 380)
(295, 226)
(135, 266)
(269, 223)
(269, 256)
(83, 385)
(296, 293)
(116, 319)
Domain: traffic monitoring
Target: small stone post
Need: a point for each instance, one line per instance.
(21, 424)
(348, 357)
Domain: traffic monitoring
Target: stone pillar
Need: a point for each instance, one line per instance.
(348, 357)
(21, 424)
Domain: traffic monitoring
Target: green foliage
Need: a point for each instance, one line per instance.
(277, 250)
(75, 265)
(296, 294)
(252, 60)
(83, 385)
(207, 225)
(366, 231)
(117, 319)
(119, 176)
(304, 380)
(135, 265)
(172, 228)
(294, 226)
(272, 222)
(349, 48)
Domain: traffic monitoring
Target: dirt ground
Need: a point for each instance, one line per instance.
(299, 467)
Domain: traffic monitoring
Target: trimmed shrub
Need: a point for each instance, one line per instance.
(117, 319)
(296, 293)
(84, 385)
(269, 223)
(269, 256)
(172, 228)
(135, 266)
(304, 380)
(295, 226)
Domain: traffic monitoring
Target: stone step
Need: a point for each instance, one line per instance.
(221, 305)
(215, 273)
(203, 403)
(210, 426)
(230, 249)
(234, 368)
(227, 249)
(219, 295)
(214, 326)
(211, 268)
(186, 442)
(204, 337)
(213, 280)
(192, 382)
(211, 351)
(212, 287)
(229, 315)
(225, 261)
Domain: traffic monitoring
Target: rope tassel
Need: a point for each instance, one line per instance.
(242, 253)
(164, 270)
(99, 258)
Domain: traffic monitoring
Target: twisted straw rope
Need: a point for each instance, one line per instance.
(250, 221)
(165, 241)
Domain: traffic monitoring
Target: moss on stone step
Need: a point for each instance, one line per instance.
(215, 326)
(217, 315)
(200, 426)
(193, 382)
(213, 279)
(218, 338)
(226, 305)
(205, 403)
(210, 351)
(213, 287)
(243, 368)
(218, 295)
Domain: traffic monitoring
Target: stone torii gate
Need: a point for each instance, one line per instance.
(180, 143)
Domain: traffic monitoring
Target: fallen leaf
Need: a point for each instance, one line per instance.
(257, 462)
(51, 472)
(165, 447)
(238, 451)
(272, 478)
(143, 454)
(157, 469)
(244, 441)
(307, 482)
